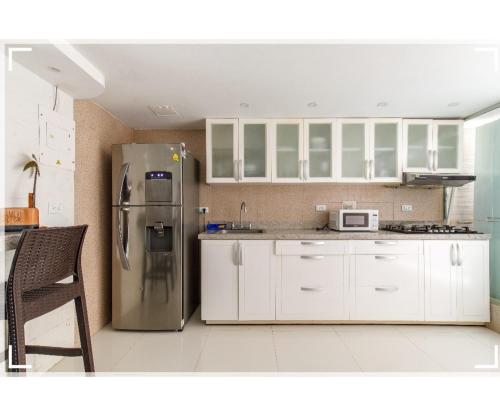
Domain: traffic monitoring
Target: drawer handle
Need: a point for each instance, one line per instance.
(386, 289)
(317, 257)
(312, 289)
(312, 242)
(386, 257)
(386, 242)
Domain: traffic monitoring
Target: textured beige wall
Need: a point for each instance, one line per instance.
(96, 131)
(294, 205)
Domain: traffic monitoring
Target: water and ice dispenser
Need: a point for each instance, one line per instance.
(159, 222)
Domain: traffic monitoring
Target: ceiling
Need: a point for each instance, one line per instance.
(280, 80)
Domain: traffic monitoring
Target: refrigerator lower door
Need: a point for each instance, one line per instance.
(147, 268)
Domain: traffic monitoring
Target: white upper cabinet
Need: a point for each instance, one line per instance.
(432, 145)
(222, 150)
(254, 151)
(319, 149)
(353, 150)
(448, 136)
(418, 145)
(288, 151)
(385, 150)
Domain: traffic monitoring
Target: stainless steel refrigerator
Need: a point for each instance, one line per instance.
(155, 266)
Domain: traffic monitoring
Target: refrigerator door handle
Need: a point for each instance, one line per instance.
(123, 237)
(122, 178)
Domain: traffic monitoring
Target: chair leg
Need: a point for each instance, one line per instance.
(84, 331)
(16, 340)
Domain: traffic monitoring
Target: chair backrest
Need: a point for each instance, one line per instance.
(46, 256)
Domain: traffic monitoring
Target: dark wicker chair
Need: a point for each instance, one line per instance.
(44, 258)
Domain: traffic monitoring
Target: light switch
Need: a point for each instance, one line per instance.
(320, 207)
(407, 208)
(55, 207)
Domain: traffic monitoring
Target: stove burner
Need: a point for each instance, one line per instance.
(420, 229)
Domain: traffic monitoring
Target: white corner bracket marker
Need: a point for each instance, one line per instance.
(490, 366)
(12, 366)
(16, 49)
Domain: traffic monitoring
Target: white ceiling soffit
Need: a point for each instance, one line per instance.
(280, 80)
(61, 64)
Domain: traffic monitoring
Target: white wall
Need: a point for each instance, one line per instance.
(24, 93)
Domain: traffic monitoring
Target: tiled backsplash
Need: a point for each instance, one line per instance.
(294, 205)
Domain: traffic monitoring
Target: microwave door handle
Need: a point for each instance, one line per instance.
(122, 236)
(122, 178)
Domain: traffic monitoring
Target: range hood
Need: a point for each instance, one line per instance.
(446, 180)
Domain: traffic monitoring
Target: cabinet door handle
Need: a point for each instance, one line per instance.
(386, 257)
(453, 255)
(459, 255)
(429, 160)
(236, 171)
(387, 289)
(240, 172)
(312, 289)
(435, 160)
(316, 257)
(372, 169)
(306, 169)
(367, 169)
(388, 242)
(312, 242)
(301, 170)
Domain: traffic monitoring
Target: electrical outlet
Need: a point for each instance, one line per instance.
(203, 210)
(350, 205)
(407, 208)
(320, 207)
(55, 207)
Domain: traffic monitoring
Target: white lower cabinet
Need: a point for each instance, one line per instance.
(387, 287)
(219, 280)
(256, 281)
(360, 280)
(457, 281)
(311, 287)
(238, 280)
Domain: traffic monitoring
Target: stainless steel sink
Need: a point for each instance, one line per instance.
(240, 231)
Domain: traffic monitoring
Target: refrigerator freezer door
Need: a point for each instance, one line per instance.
(147, 284)
(132, 163)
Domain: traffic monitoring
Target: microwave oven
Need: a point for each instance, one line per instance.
(353, 220)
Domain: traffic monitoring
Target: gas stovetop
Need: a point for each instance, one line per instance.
(424, 229)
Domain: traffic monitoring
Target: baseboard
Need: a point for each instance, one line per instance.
(494, 324)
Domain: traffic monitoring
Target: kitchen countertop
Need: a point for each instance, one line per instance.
(308, 234)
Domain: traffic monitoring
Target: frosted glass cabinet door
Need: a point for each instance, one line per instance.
(222, 150)
(354, 147)
(288, 151)
(318, 150)
(448, 146)
(254, 164)
(417, 145)
(385, 158)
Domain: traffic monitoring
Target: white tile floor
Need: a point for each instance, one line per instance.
(293, 348)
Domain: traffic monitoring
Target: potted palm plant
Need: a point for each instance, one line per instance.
(32, 165)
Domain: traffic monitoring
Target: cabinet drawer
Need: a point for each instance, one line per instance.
(310, 247)
(311, 289)
(387, 247)
(388, 287)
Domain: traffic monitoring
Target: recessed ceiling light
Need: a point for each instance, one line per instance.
(453, 104)
(54, 69)
(244, 105)
(163, 110)
(382, 104)
(312, 104)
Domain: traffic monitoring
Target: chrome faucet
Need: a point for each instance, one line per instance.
(243, 207)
